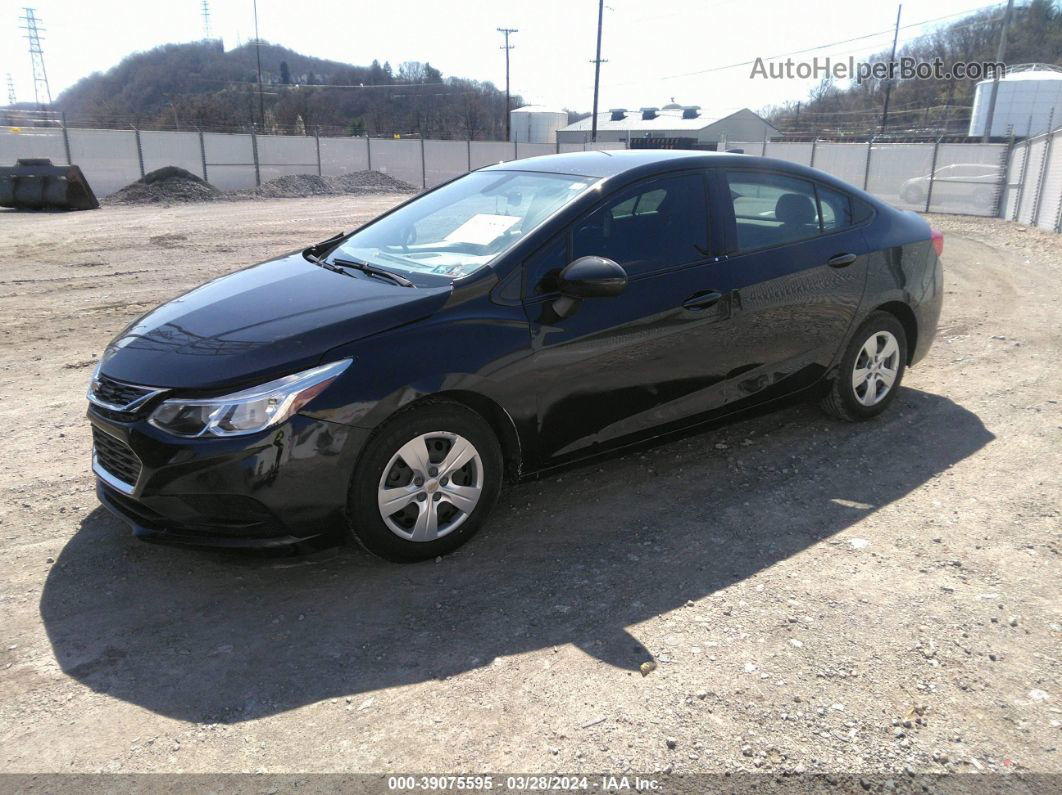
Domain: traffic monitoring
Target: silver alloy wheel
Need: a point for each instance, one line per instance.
(875, 368)
(430, 486)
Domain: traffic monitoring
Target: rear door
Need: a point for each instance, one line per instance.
(796, 267)
(625, 365)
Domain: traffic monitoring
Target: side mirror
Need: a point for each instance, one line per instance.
(592, 277)
(588, 277)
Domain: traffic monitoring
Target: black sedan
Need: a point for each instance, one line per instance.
(519, 318)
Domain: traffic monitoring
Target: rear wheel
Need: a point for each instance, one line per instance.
(426, 482)
(871, 370)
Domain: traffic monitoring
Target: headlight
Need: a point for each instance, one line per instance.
(249, 410)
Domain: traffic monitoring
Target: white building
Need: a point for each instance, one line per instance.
(1025, 100)
(536, 124)
(670, 121)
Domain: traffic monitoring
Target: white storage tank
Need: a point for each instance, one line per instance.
(1024, 101)
(536, 124)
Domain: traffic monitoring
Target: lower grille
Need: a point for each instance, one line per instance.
(115, 457)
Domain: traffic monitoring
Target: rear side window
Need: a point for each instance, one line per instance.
(772, 209)
(658, 224)
(835, 209)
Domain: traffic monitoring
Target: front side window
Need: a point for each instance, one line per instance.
(772, 209)
(461, 227)
(657, 225)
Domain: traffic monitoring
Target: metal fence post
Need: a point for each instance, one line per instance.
(139, 151)
(866, 167)
(1038, 202)
(1001, 196)
(368, 152)
(469, 142)
(1058, 214)
(556, 144)
(516, 151)
(202, 154)
(254, 154)
(763, 151)
(932, 173)
(317, 139)
(423, 166)
(1021, 178)
(66, 138)
(814, 144)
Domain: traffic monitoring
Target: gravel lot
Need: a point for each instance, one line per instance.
(816, 596)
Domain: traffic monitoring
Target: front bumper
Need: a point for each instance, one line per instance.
(279, 487)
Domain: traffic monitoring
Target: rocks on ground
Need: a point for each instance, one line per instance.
(173, 185)
(166, 185)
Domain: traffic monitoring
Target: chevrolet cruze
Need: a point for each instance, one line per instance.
(387, 382)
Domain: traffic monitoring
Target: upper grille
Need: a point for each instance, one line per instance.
(115, 457)
(118, 396)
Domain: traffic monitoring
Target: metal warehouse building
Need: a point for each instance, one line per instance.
(670, 121)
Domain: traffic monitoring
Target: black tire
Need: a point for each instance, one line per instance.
(365, 523)
(843, 400)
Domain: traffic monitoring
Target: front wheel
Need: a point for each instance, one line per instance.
(425, 483)
(871, 370)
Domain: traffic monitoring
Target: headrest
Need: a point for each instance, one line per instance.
(794, 208)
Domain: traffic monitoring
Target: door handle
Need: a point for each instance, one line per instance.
(841, 260)
(702, 301)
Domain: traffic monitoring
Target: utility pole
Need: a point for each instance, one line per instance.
(206, 20)
(597, 70)
(505, 32)
(11, 98)
(258, 55)
(892, 60)
(41, 90)
(1001, 51)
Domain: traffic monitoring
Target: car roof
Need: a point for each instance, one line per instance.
(634, 163)
(604, 163)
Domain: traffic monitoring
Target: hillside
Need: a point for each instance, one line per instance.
(929, 106)
(201, 84)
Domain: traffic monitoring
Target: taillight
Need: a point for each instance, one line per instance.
(938, 240)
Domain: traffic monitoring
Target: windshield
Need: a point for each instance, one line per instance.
(461, 227)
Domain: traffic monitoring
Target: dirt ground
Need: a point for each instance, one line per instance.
(816, 596)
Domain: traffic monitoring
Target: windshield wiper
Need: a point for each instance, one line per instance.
(372, 270)
(328, 266)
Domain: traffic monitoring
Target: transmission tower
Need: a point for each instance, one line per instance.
(41, 90)
(11, 98)
(206, 20)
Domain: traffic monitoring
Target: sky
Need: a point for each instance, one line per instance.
(655, 51)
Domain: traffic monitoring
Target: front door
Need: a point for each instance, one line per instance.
(623, 366)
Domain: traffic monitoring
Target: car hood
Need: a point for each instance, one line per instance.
(268, 320)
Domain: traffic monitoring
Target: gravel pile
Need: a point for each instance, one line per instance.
(293, 186)
(173, 185)
(371, 182)
(166, 185)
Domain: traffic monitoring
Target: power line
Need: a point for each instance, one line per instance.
(33, 36)
(820, 46)
(507, 46)
(11, 98)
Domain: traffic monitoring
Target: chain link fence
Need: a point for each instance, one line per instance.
(1020, 182)
(111, 159)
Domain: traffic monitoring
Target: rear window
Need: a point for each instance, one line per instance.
(835, 209)
(772, 209)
